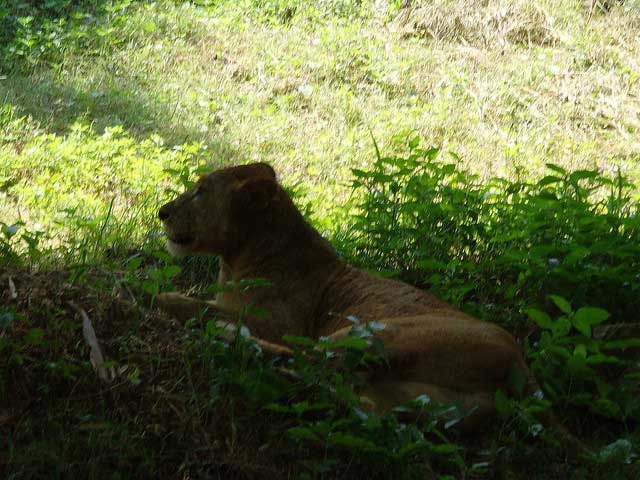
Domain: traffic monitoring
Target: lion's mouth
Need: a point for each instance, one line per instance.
(182, 241)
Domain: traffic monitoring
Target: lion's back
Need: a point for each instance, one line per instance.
(355, 293)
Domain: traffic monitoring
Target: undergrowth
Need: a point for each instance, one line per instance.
(109, 108)
(498, 246)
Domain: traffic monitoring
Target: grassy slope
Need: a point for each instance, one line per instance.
(508, 86)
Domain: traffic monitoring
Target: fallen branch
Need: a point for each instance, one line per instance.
(12, 289)
(95, 355)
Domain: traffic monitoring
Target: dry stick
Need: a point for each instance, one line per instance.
(591, 9)
(95, 355)
(12, 289)
(273, 348)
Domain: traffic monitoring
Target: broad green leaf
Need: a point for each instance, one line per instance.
(556, 168)
(561, 327)
(448, 169)
(296, 340)
(413, 448)
(583, 174)
(560, 351)
(578, 366)
(134, 263)
(540, 318)
(351, 441)
(302, 407)
(431, 264)
(548, 180)
(604, 388)
(445, 448)
(432, 153)
(562, 304)
(622, 344)
(171, 271)
(346, 394)
(600, 359)
(352, 342)
(585, 317)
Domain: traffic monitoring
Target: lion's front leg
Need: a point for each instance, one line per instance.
(183, 307)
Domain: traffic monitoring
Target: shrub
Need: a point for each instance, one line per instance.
(498, 246)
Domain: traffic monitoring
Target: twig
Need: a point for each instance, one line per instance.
(95, 355)
(273, 349)
(591, 9)
(12, 289)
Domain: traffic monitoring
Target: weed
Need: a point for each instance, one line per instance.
(498, 246)
(567, 357)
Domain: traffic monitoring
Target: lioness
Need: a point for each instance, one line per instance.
(244, 216)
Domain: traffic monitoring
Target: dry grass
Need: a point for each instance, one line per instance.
(479, 24)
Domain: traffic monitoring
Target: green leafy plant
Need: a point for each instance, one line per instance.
(568, 360)
(158, 276)
(498, 245)
(41, 32)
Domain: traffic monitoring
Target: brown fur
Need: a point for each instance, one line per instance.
(243, 215)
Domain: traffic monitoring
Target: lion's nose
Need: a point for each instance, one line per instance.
(163, 213)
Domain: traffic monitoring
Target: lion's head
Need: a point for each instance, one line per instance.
(214, 216)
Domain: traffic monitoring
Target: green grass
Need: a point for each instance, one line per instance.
(108, 108)
(304, 93)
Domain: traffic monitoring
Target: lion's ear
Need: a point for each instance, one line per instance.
(256, 193)
(256, 170)
(264, 169)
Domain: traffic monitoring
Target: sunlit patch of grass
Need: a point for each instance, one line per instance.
(88, 192)
(301, 87)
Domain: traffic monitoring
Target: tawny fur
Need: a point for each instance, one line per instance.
(245, 217)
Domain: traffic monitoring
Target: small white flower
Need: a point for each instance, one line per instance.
(305, 90)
